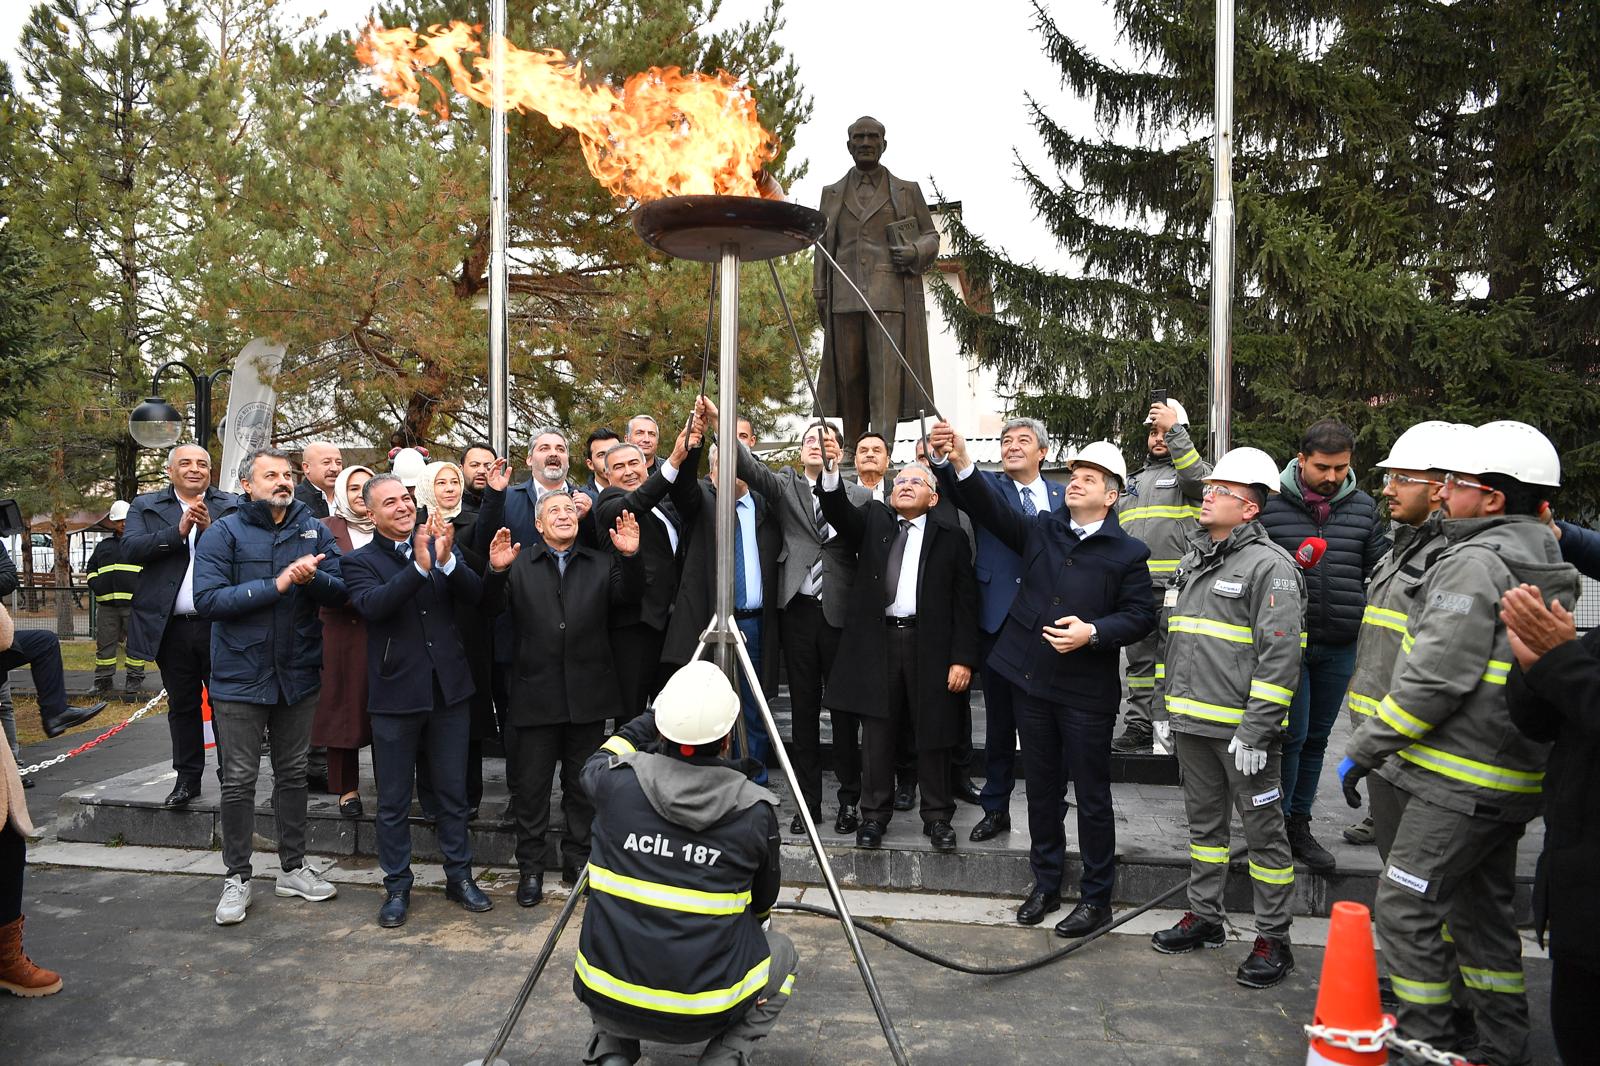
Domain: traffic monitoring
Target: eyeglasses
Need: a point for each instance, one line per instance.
(1457, 481)
(1223, 490)
(1393, 478)
(911, 481)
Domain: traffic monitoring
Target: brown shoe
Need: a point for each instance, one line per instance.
(18, 974)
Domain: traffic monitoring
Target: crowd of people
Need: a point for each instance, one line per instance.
(1239, 605)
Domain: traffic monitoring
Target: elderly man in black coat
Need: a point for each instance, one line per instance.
(910, 643)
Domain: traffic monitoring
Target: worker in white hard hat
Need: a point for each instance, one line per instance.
(683, 872)
(1234, 620)
(408, 465)
(1082, 596)
(1466, 781)
(1160, 507)
(113, 580)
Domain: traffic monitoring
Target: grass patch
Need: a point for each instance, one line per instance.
(31, 731)
(78, 654)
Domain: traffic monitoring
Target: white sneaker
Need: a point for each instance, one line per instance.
(235, 901)
(305, 883)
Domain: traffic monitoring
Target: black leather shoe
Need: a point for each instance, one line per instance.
(943, 835)
(569, 873)
(181, 794)
(965, 791)
(797, 825)
(467, 893)
(1085, 918)
(1188, 934)
(1037, 905)
(870, 835)
(1135, 740)
(56, 724)
(27, 782)
(905, 797)
(352, 808)
(392, 915)
(530, 889)
(1270, 961)
(849, 819)
(991, 825)
(1304, 847)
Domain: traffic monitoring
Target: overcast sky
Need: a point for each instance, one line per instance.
(947, 80)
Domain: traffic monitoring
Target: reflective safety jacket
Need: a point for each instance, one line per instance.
(1233, 639)
(1390, 593)
(1443, 726)
(1162, 504)
(111, 578)
(683, 869)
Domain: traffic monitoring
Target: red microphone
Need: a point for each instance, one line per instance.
(1309, 554)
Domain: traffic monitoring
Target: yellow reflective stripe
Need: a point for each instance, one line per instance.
(1163, 566)
(1473, 772)
(667, 1001)
(108, 597)
(1206, 853)
(1161, 671)
(134, 664)
(1210, 712)
(110, 568)
(1269, 876)
(618, 745)
(1262, 690)
(1509, 981)
(1407, 643)
(1382, 616)
(1303, 641)
(1361, 704)
(1445, 934)
(667, 897)
(1135, 682)
(106, 662)
(787, 988)
(1208, 627)
(1401, 720)
(1498, 672)
(1424, 992)
(1157, 510)
(1186, 460)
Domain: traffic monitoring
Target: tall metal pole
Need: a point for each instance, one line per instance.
(1222, 240)
(727, 467)
(499, 363)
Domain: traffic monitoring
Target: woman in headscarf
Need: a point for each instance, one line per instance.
(440, 491)
(341, 723)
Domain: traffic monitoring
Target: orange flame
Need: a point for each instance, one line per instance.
(664, 133)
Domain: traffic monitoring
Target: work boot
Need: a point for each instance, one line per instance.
(1304, 846)
(1135, 740)
(18, 974)
(102, 685)
(57, 722)
(1270, 961)
(1191, 932)
(1361, 832)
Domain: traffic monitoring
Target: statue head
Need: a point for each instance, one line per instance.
(866, 142)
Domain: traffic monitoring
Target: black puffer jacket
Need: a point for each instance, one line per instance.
(1357, 540)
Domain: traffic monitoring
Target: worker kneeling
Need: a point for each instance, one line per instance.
(683, 870)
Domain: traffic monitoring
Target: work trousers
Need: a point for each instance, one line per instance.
(870, 374)
(1141, 675)
(1061, 743)
(999, 734)
(185, 662)
(1445, 865)
(438, 735)
(636, 654)
(110, 633)
(1325, 671)
(240, 728)
(1213, 788)
(539, 749)
(809, 647)
(880, 736)
(735, 1045)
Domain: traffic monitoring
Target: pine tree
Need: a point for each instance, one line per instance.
(1417, 226)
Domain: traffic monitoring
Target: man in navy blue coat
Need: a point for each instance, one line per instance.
(1085, 593)
(408, 585)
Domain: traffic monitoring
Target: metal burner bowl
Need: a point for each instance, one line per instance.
(701, 228)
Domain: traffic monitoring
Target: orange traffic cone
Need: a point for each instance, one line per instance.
(205, 718)
(1347, 997)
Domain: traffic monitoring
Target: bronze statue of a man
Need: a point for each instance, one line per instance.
(882, 235)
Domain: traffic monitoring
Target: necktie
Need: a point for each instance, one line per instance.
(897, 556)
(741, 597)
(404, 548)
(822, 534)
(1028, 507)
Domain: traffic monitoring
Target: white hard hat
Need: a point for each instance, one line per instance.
(1516, 450)
(119, 511)
(1177, 409)
(408, 465)
(1422, 447)
(1247, 466)
(1106, 456)
(697, 705)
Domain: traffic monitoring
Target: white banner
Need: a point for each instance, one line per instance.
(251, 402)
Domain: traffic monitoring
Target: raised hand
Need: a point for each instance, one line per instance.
(680, 446)
(502, 552)
(697, 427)
(500, 475)
(444, 538)
(625, 537)
(708, 410)
(421, 542)
(583, 502)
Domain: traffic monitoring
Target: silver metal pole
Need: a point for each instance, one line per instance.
(727, 468)
(1222, 240)
(499, 362)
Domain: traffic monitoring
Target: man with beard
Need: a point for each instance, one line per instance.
(477, 459)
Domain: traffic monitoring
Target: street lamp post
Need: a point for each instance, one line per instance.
(157, 424)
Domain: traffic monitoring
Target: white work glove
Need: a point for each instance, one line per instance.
(1163, 736)
(1249, 761)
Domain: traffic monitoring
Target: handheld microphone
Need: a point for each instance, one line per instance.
(1309, 554)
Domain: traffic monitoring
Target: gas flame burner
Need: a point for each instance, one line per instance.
(702, 228)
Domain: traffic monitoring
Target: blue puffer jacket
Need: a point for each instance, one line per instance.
(1336, 588)
(266, 647)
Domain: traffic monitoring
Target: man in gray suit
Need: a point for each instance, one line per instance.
(815, 570)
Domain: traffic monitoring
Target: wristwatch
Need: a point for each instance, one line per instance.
(1094, 636)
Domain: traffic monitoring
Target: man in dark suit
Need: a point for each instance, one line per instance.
(1085, 594)
(910, 644)
(408, 584)
(163, 528)
(320, 463)
(639, 631)
(561, 597)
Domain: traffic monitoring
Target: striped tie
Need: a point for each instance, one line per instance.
(1028, 507)
(814, 579)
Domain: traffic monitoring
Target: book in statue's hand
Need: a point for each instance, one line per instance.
(903, 233)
